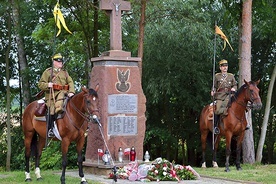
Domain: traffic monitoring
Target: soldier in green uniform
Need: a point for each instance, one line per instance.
(56, 89)
(224, 85)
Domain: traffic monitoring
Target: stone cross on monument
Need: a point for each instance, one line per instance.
(115, 8)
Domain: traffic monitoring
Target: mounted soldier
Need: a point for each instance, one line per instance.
(224, 85)
(57, 84)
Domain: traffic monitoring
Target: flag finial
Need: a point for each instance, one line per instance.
(222, 35)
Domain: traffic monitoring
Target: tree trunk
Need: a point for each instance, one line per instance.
(266, 117)
(96, 28)
(141, 33)
(245, 73)
(21, 55)
(8, 105)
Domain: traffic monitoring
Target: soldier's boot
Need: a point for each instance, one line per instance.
(216, 121)
(50, 120)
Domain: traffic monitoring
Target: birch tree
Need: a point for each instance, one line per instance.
(259, 153)
(8, 105)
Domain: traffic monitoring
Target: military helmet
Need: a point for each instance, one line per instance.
(223, 63)
(57, 57)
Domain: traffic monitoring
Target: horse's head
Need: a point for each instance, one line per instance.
(91, 102)
(252, 94)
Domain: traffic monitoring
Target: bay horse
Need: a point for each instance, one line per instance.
(234, 124)
(80, 109)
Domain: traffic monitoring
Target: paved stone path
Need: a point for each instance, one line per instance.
(202, 180)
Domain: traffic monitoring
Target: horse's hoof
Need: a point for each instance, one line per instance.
(84, 182)
(227, 170)
(28, 180)
(215, 164)
(39, 179)
(239, 168)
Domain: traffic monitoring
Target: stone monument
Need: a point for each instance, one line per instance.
(122, 103)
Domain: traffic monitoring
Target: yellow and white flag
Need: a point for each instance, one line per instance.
(59, 19)
(222, 35)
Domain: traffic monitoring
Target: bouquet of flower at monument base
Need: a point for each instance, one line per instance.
(159, 170)
(163, 170)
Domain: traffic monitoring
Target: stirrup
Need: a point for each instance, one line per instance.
(51, 133)
(216, 130)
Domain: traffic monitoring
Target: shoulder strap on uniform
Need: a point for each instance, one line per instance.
(66, 73)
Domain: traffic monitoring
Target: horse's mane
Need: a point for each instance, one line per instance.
(234, 97)
(91, 92)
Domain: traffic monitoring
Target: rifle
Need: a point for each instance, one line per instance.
(39, 94)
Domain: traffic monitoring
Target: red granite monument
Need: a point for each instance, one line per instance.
(122, 101)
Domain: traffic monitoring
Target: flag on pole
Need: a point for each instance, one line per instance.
(59, 19)
(222, 35)
(100, 152)
(127, 151)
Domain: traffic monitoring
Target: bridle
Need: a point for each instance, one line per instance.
(251, 99)
(88, 115)
(249, 95)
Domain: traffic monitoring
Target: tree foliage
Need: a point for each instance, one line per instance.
(177, 62)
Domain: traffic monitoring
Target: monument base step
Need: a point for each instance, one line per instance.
(116, 53)
(99, 168)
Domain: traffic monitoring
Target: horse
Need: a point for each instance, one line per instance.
(80, 109)
(234, 124)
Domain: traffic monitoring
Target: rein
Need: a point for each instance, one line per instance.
(245, 104)
(88, 118)
(251, 100)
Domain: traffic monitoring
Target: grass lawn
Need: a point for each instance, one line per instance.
(265, 174)
(49, 177)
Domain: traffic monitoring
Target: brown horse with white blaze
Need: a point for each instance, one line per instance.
(234, 124)
(80, 109)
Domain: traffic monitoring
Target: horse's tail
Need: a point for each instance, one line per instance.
(34, 149)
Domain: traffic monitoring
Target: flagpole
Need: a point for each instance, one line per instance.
(214, 69)
(50, 93)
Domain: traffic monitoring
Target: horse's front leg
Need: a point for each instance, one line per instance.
(80, 145)
(228, 151)
(64, 149)
(238, 159)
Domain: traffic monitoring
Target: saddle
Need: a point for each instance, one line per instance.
(41, 110)
(211, 111)
(212, 108)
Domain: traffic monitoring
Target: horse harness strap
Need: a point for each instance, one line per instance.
(80, 113)
(219, 89)
(238, 118)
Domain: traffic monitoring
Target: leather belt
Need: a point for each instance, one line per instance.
(223, 90)
(60, 87)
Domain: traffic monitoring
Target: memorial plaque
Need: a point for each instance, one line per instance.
(122, 104)
(122, 125)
